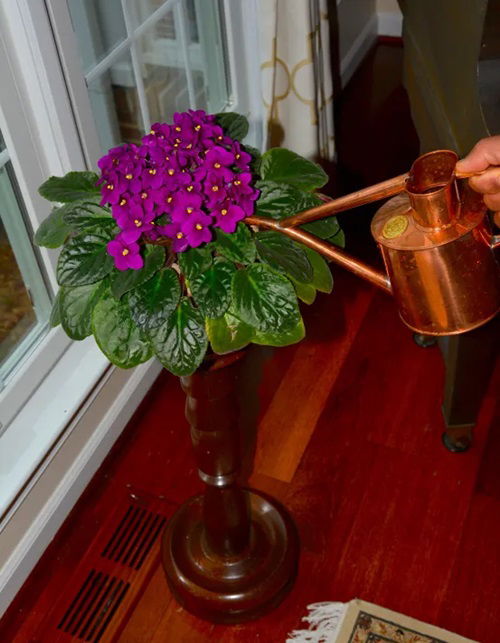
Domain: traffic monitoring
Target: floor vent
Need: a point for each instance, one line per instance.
(134, 536)
(93, 606)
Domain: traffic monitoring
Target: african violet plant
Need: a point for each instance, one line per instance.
(157, 258)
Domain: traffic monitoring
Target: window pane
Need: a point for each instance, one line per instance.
(99, 26)
(115, 105)
(23, 312)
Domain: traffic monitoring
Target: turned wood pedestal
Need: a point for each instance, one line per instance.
(230, 554)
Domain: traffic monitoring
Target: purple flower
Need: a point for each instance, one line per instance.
(186, 205)
(214, 188)
(179, 239)
(217, 161)
(227, 216)
(113, 188)
(197, 229)
(135, 223)
(242, 159)
(126, 255)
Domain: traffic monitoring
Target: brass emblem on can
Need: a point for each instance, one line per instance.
(395, 226)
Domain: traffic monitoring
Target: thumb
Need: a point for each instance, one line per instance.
(485, 153)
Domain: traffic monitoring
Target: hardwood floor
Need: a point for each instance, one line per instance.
(348, 439)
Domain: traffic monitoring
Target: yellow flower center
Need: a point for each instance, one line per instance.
(110, 186)
(151, 131)
(129, 176)
(138, 222)
(237, 156)
(123, 202)
(171, 172)
(179, 235)
(219, 138)
(237, 182)
(152, 171)
(198, 226)
(144, 195)
(188, 147)
(176, 144)
(125, 252)
(189, 188)
(167, 158)
(216, 166)
(178, 140)
(223, 212)
(197, 128)
(177, 129)
(169, 199)
(189, 210)
(215, 188)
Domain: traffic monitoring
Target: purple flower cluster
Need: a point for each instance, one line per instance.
(184, 180)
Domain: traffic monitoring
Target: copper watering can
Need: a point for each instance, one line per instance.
(436, 242)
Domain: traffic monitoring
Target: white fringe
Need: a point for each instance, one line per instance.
(324, 622)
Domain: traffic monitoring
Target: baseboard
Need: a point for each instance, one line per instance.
(390, 23)
(74, 461)
(358, 50)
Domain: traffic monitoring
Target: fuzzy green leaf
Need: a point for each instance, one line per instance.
(53, 230)
(322, 277)
(305, 292)
(84, 259)
(82, 215)
(284, 166)
(292, 336)
(55, 313)
(284, 254)
(181, 342)
(124, 280)
(212, 288)
(71, 187)
(279, 200)
(152, 303)
(228, 333)
(234, 125)
(265, 299)
(76, 306)
(238, 246)
(194, 261)
(117, 335)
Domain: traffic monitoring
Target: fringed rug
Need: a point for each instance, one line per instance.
(361, 622)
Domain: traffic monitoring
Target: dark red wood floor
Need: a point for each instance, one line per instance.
(349, 440)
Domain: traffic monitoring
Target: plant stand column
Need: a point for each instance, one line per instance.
(230, 554)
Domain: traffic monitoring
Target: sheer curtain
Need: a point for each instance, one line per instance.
(296, 76)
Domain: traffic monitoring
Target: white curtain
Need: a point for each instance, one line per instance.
(296, 76)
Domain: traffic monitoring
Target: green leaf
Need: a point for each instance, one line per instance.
(85, 214)
(71, 187)
(228, 333)
(338, 239)
(152, 303)
(117, 335)
(84, 259)
(286, 338)
(265, 299)
(284, 254)
(124, 280)
(323, 228)
(181, 342)
(76, 306)
(256, 158)
(305, 292)
(212, 288)
(279, 200)
(234, 125)
(238, 246)
(194, 261)
(322, 276)
(53, 231)
(284, 166)
(55, 313)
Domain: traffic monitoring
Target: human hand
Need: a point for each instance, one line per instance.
(484, 157)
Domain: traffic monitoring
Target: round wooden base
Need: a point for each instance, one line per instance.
(231, 589)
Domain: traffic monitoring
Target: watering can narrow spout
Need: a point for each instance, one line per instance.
(437, 246)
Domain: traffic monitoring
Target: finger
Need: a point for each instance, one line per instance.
(492, 202)
(484, 153)
(487, 183)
